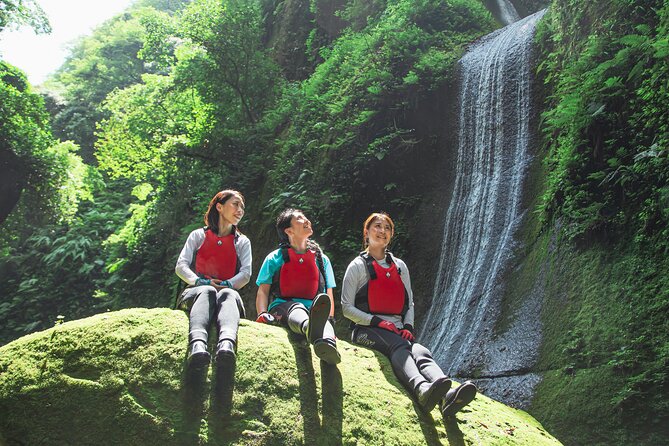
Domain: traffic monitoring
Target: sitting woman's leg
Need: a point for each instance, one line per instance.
(398, 350)
(227, 320)
(426, 364)
(203, 300)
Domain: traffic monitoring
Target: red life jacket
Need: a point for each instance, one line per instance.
(301, 275)
(384, 293)
(217, 257)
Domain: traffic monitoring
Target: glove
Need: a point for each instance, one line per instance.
(200, 281)
(225, 284)
(265, 318)
(386, 325)
(406, 334)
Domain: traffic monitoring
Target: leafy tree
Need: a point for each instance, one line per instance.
(234, 63)
(24, 141)
(17, 13)
(150, 124)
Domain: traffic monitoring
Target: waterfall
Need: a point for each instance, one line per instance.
(507, 12)
(485, 206)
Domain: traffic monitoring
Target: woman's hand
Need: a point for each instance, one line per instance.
(265, 318)
(220, 284)
(387, 325)
(406, 334)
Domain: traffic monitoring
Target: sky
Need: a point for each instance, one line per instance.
(41, 55)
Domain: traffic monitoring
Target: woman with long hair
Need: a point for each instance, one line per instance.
(299, 279)
(215, 262)
(377, 298)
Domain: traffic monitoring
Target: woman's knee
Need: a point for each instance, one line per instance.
(420, 351)
(205, 290)
(227, 294)
(204, 293)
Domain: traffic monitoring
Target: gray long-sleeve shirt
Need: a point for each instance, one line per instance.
(195, 241)
(356, 277)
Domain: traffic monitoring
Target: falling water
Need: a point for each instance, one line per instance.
(485, 207)
(507, 12)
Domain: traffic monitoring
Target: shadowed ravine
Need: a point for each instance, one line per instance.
(483, 214)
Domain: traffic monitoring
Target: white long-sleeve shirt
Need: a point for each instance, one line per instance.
(356, 277)
(195, 241)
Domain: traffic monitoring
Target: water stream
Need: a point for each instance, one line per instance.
(485, 210)
(507, 12)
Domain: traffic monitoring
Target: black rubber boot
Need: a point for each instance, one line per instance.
(318, 316)
(429, 394)
(225, 351)
(198, 356)
(458, 398)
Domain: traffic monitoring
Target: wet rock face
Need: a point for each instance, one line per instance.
(484, 213)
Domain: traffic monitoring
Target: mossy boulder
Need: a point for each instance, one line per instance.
(118, 378)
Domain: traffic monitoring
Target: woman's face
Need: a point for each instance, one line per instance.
(232, 210)
(300, 226)
(379, 233)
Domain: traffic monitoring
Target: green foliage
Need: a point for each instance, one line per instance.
(607, 137)
(77, 182)
(606, 122)
(56, 269)
(48, 177)
(148, 124)
(234, 60)
(346, 121)
(97, 65)
(17, 13)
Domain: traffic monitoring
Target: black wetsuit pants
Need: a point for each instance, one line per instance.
(411, 362)
(205, 303)
(295, 316)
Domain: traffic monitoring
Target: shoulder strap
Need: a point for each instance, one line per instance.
(284, 254)
(320, 264)
(369, 263)
(390, 261)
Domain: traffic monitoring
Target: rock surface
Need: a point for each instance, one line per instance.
(118, 378)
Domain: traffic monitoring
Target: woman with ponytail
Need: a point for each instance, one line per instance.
(215, 262)
(377, 298)
(299, 279)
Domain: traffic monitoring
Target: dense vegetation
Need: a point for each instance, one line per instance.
(170, 107)
(606, 132)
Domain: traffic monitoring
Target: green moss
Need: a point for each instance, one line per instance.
(117, 378)
(604, 354)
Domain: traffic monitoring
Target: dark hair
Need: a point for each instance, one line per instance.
(283, 222)
(368, 222)
(211, 216)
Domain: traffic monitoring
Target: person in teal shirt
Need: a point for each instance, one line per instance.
(298, 278)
